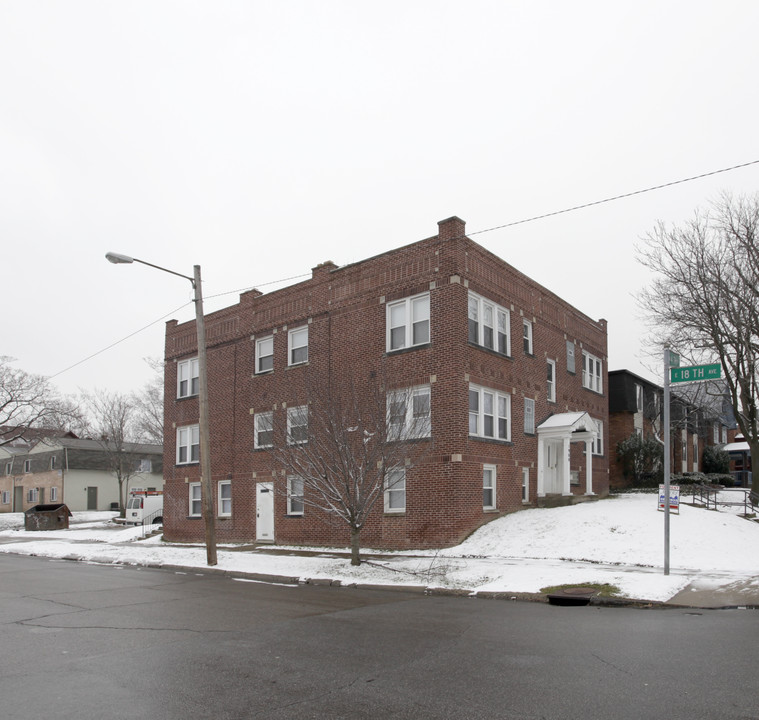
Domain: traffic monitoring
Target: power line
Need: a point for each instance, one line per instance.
(611, 199)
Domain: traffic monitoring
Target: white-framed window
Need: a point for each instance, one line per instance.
(551, 380)
(592, 372)
(33, 494)
(715, 431)
(6, 497)
(8, 468)
(724, 435)
(488, 487)
(188, 378)
(527, 336)
(695, 453)
(265, 354)
(529, 416)
(53, 494)
(489, 413)
(297, 346)
(52, 462)
(395, 490)
(409, 413)
(188, 444)
(638, 397)
(225, 498)
(408, 322)
(264, 430)
(295, 504)
(598, 445)
(195, 503)
(145, 466)
(297, 425)
(27, 466)
(684, 447)
(525, 484)
(488, 325)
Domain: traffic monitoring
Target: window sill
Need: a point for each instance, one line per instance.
(294, 515)
(400, 351)
(296, 365)
(490, 511)
(263, 372)
(194, 517)
(489, 351)
(395, 513)
(261, 449)
(188, 397)
(194, 463)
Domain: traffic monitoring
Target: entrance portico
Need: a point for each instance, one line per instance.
(554, 438)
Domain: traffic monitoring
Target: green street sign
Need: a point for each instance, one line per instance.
(695, 373)
(674, 359)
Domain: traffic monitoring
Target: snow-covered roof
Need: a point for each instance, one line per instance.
(570, 421)
(736, 447)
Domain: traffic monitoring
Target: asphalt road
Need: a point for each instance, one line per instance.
(87, 641)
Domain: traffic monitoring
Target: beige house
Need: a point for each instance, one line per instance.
(74, 471)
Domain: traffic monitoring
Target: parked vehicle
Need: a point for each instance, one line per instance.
(144, 507)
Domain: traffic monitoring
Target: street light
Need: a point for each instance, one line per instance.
(203, 422)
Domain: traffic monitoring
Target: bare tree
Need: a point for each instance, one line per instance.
(112, 421)
(703, 300)
(149, 406)
(346, 448)
(30, 401)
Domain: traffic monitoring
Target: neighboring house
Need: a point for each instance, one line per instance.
(71, 470)
(740, 461)
(511, 378)
(636, 406)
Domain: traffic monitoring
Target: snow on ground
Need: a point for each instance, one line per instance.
(619, 541)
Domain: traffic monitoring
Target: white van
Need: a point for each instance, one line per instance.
(144, 506)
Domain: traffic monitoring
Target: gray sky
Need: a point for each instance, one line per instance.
(258, 139)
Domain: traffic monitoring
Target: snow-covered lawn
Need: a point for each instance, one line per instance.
(619, 541)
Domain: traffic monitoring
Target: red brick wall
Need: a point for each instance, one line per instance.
(345, 312)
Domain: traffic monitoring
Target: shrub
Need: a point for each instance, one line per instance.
(642, 460)
(715, 460)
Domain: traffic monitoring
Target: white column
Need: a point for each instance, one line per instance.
(566, 476)
(541, 466)
(589, 467)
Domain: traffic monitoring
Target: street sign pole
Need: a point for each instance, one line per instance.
(665, 422)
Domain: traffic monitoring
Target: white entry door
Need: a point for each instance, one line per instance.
(553, 473)
(265, 512)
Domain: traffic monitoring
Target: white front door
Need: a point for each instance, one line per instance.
(265, 512)
(553, 474)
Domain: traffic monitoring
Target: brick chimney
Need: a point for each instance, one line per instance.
(452, 227)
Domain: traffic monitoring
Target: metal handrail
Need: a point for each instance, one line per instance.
(147, 522)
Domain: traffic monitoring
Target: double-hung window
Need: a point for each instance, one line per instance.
(188, 378)
(264, 430)
(489, 413)
(297, 346)
(6, 497)
(551, 380)
(488, 325)
(33, 495)
(488, 487)
(297, 425)
(529, 416)
(188, 444)
(592, 372)
(265, 354)
(295, 504)
(638, 397)
(195, 504)
(8, 468)
(409, 413)
(225, 498)
(395, 491)
(408, 322)
(53, 494)
(27, 466)
(527, 336)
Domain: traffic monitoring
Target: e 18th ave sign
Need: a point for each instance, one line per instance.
(694, 373)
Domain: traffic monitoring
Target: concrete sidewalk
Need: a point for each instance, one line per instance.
(743, 593)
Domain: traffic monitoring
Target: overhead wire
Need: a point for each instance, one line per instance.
(476, 232)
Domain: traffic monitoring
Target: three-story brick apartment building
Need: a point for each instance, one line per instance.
(512, 380)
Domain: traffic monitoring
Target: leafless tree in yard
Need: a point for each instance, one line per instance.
(30, 401)
(149, 406)
(346, 448)
(704, 298)
(112, 422)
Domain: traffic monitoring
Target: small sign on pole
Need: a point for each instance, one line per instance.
(674, 498)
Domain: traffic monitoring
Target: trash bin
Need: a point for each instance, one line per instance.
(47, 517)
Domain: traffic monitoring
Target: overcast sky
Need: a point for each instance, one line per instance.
(258, 139)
